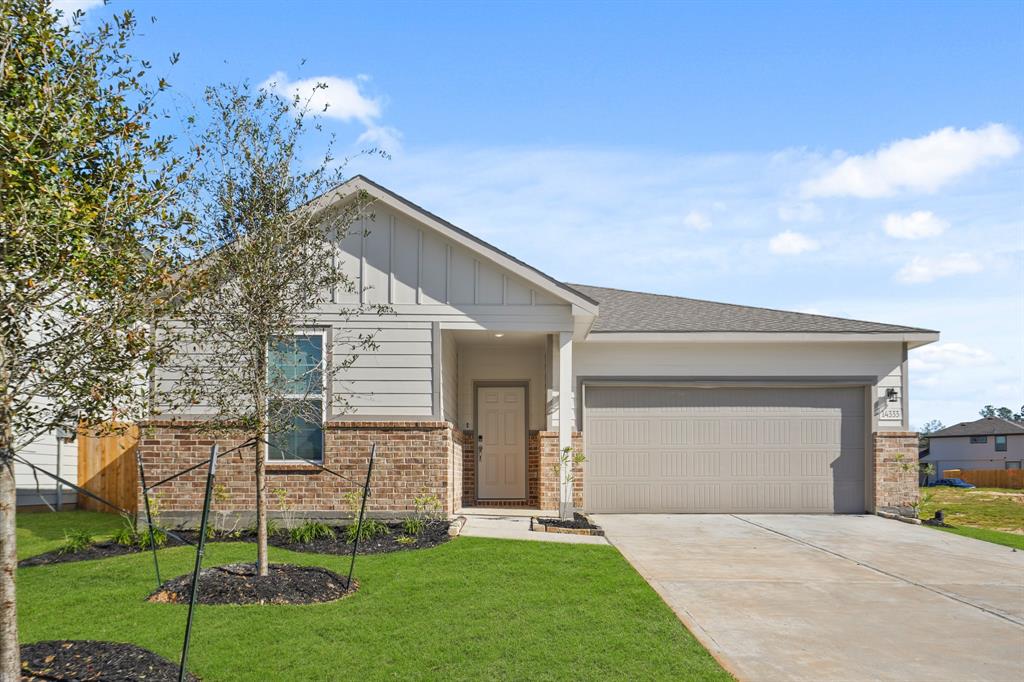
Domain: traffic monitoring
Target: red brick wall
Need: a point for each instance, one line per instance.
(413, 457)
(548, 445)
(895, 472)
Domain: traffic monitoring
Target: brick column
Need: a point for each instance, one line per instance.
(894, 469)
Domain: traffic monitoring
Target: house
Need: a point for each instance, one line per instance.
(488, 368)
(987, 443)
(56, 452)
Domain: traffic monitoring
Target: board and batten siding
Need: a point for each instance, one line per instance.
(429, 285)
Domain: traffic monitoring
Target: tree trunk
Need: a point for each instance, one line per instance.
(10, 654)
(262, 565)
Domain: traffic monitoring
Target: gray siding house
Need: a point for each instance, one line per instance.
(488, 367)
(988, 443)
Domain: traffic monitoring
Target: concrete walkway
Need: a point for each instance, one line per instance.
(834, 597)
(507, 526)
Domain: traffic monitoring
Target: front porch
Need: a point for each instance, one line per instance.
(504, 393)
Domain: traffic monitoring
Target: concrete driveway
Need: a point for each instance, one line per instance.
(834, 597)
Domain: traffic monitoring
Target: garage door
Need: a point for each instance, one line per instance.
(731, 450)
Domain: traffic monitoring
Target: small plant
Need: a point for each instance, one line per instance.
(273, 528)
(311, 531)
(287, 512)
(75, 541)
(159, 538)
(127, 534)
(413, 526)
(405, 540)
(566, 464)
(370, 529)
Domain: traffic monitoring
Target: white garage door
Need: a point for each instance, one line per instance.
(729, 450)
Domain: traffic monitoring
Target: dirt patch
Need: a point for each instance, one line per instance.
(579, 524)
(239, 584)
(434, 533)
(91, 660)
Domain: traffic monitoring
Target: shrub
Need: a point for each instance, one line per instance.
(75, 541)
(126, 535)
(159, 538)
(370, 529)
(413, 525)
(311, 531)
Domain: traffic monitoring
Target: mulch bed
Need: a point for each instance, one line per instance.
(434, 533)
(90, 660)
(239, 584)
(578, 521)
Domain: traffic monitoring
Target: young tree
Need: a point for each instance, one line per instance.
(270, 225)
(87, 239)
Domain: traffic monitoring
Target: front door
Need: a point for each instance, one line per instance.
(501, 442)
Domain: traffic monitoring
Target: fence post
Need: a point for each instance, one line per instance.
(362, 510)
(199, 560)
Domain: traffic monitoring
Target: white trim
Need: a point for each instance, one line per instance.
(322, 333)
(912, 339)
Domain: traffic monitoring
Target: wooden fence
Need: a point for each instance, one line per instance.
(989, 478)
(107, 467)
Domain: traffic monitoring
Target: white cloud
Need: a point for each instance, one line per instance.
(341, 99)
(799, 212)
(916, 225)
(791, 243)
(923, 269)
(697, 220)
(922, 164)
(942, 356)
(68, 8)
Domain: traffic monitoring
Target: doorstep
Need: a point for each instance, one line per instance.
(483, 524)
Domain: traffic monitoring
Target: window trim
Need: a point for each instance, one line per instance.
(997, 444)
(324, 360)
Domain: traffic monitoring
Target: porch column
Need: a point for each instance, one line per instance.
(565, 420)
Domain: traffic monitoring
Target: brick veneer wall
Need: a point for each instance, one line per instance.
(412, 458)
(548, 444)
(469, 471)
(895, 472)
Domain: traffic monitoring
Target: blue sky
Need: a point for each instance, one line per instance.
(857, 159)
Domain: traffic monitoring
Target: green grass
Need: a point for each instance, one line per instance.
(996, 536)
(43, 531)
(989, 514)
(474, 608)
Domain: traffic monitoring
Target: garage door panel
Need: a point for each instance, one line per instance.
(724, 450)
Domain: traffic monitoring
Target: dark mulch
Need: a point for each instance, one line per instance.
(579, 521)
(239, 584)
(434, 533)
(90, 660)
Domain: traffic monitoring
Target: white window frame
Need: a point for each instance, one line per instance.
(1006, 443)
(978, 440)
(324, 361)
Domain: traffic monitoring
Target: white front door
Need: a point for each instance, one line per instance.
(501, 442)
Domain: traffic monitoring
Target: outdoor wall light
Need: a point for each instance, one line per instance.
(892, 395)
(499, 335)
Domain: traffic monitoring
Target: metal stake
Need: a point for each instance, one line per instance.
(362, 510)
(199, 561)
(149, 516)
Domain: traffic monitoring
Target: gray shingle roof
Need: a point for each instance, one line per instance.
(632, 311)
(986, 426)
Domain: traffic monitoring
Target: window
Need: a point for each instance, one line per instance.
(978, 440)
(1000, 443)
(295, 373)
(1013, 465)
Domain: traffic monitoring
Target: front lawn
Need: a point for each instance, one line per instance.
(474, 608)
(43, 531)
(990, 514)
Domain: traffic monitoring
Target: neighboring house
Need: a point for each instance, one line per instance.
(988, 443)
(55, 452)
(488, 367)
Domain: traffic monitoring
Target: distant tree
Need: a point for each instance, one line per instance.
(87, 239)
(1003, 413)
(269, 265)
(926, 430)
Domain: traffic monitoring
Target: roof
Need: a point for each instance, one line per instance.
(633, 311)
(986, 426)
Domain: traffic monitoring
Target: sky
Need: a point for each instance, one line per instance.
(862, 160)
